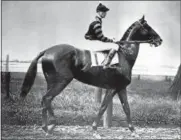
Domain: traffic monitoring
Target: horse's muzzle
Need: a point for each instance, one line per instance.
(156, 42)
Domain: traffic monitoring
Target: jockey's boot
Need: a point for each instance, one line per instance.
(109, 58)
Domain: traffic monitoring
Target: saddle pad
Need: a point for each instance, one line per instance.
(98, 58)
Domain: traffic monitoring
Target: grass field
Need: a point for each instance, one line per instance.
(148, 98)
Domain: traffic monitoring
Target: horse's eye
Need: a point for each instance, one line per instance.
(145, 23)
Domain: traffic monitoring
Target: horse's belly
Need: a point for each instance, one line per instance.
(108, 78)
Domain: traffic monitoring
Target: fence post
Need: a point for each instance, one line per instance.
(166, 78)
(7, 63)
(107, 117)
(139, 77)
(178, 95)
(7, 77)
(107, 120)
(98, 95)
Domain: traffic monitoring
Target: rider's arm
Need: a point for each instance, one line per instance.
(98, 32)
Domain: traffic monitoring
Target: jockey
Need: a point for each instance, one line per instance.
(95, 32)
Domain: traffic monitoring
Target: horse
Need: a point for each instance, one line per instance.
(62, 63)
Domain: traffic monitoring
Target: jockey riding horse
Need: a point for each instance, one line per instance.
(95, 33)
(63, 62)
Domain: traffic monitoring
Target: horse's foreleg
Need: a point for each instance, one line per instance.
(124, 101)
(107, 98)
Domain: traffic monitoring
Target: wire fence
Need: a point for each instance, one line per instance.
(137, 70)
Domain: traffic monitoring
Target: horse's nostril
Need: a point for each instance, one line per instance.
(161, 40)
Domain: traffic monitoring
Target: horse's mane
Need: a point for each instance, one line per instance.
(126, 34)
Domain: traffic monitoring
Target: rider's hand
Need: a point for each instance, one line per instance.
(115, 41)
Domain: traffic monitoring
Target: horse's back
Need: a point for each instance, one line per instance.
(58, 51)
(61, 48)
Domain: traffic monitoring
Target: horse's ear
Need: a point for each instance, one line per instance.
(142, 19)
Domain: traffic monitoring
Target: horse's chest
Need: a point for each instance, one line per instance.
(130, 51)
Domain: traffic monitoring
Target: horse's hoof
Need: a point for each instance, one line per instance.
(131, 128)
(96, 135)
(50, 128)
(45, 129)
(94, 128)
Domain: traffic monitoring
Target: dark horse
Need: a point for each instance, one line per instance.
(62, 63)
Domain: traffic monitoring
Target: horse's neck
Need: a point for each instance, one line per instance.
(129, 53)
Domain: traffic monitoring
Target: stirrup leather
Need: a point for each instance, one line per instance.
(109, 57)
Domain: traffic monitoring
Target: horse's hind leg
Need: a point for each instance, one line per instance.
(57, 80)
(44, 110)
(54, 89)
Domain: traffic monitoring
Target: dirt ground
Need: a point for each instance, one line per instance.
(85, 132)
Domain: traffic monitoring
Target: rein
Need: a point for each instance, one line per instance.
(134, 42)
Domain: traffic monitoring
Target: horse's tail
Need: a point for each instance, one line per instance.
(30, 76)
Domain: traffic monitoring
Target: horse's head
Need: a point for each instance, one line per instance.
(145, 32)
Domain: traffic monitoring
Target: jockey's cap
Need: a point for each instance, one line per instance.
(102, 8)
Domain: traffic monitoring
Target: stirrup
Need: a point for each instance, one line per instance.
(107, 66)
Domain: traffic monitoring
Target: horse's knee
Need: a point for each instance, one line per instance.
(46, 101)
(102, 109)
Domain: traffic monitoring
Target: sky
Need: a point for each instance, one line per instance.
(29, 27)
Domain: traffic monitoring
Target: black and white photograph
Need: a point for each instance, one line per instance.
(90, 70)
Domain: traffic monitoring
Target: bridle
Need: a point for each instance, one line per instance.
(151, 41)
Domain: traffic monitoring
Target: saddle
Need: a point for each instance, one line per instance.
(88, 59)
(98, 57)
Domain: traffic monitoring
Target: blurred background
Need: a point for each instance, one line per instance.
(29, 27)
